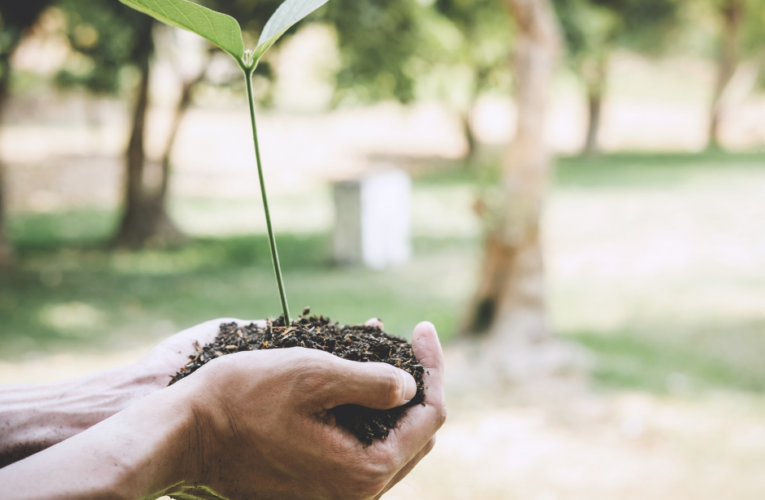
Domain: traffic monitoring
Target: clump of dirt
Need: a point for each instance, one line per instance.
(356, 343)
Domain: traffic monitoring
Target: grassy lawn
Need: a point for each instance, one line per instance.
(655, 265)
(89, 297)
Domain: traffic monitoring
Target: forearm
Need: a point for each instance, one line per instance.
(35, 417)
(138, 453)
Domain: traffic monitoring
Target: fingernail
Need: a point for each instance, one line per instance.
(410, 387)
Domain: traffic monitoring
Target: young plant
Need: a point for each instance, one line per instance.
(224, 31)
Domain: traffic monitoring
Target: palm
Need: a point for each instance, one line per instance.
(173, 352)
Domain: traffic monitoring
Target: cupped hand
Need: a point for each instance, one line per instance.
(262, 426)
(167, 357)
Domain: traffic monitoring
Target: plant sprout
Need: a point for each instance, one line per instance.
(225, 32)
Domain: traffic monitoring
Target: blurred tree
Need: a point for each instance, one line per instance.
(15, 19)
(112, 37)
(731, 13)
(509, 306)
(741, 29)
(379, 42)
(482, 49)
(593, 29)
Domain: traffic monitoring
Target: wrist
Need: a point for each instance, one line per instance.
(139, 453)
(161, 445)
(39, 416)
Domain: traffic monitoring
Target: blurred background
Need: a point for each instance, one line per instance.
(583, 223)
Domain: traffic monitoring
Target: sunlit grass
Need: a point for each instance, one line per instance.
(654, 265)
(86, 295)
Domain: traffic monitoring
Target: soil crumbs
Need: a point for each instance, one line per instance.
(356, 343)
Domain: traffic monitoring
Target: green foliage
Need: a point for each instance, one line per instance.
(219, 29)
(286, 16)
(108, 37)
(223, 30)
(15, 17)
(483, 44)
(380, 42)
(594, 27)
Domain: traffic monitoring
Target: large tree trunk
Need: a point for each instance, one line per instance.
(732, 12)
(509, 307)
(145, 220)
(595, 75)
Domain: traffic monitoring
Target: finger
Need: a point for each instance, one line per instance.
(173, 352)
(427, 350)
(375, 322)
(374, 385)
(204, 333)
(409, 466)
(421, 422)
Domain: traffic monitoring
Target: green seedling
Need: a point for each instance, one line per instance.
(225, 32)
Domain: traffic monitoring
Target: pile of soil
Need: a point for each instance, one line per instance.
(356, 343)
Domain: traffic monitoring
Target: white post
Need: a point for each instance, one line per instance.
(372, 221)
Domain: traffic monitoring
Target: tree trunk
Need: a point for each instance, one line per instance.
(732, 12)
(470, 138)
(145, 220)
(509, 307)
(595, 76)
(6, 251)
(180, 111)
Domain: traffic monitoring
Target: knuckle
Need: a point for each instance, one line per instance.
(370, 476)
(441, 415)
(368, 487)
(312, 369)
(393, 384)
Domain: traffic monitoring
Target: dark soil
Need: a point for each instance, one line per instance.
(357, 343)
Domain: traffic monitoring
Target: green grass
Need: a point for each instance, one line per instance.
(651, 170)
(685, 326)
(68, 295)
(609, 171)
(640, 361)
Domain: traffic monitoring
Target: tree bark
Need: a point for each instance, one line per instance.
(145, 220)
(508, 310)
(732, 13)
(470, 139)
(595, 75)
(180, 111)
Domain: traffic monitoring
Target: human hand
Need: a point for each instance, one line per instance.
(37, 417)
(166, 358)
(263, 426)
(247, 425)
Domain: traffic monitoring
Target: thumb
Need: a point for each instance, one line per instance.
(374, 385)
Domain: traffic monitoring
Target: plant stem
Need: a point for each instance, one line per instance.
(271, 240)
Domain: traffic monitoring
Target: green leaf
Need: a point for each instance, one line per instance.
(288, 13)
(220, 29)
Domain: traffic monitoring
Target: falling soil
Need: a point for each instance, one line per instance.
(356, 343)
